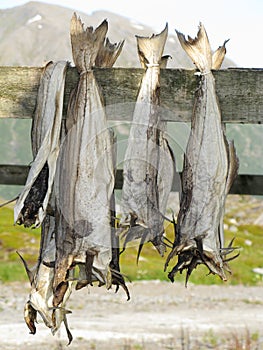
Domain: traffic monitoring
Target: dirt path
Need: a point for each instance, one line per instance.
(160, 315)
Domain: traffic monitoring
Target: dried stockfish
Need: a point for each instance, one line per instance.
(85, 181)
(45, 146)
(31, 206)
(210, 166)
(149, 163)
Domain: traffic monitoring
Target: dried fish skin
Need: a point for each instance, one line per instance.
(31, 206)
(41, 278)
(86, 43)
(148, 163)
(30, 317)
(210, 166)
(108, 54)
(85, 179)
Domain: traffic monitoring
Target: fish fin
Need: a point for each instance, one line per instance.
(198, 49)
(126, 241)
(218, 56)
(30, 272)
(150, 49)
(193, 264)
(82, 277)
(134, 232)
(210, 259)
(172, 253)
(232, 167)
(117, 273)
(59, 293)
(81, 284)
(230, 245)
(86, 43)
(108, 54)
(100, 277)
(70, 337)
(175, 269)
(142, 241)
(61, 308)
(30, 316)
(159, 244)
(214, 264)
(232, 257)
(164, 61)
(118, 280)
(9, 201)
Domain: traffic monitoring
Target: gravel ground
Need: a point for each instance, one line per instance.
(160, 315)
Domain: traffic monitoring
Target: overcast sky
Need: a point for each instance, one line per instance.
(241, 21)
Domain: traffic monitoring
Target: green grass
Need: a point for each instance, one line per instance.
(12, 239)
(150, 267)
(12, 271)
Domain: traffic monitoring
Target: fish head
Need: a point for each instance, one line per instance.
(30, 315)
(42, 298)
(41, 294)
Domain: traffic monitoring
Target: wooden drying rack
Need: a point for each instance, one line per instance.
(240, 94)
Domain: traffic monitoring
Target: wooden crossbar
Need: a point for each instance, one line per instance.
(240, 93)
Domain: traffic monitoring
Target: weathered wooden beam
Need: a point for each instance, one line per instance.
(13, 174)
(244, 184)
(240, 92)
(248, 184)
(18, 91)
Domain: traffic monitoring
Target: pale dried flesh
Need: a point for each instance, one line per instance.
(86, 176)
(31, 206)
(210, 166)
(148, 163)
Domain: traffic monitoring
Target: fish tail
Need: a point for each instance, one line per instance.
(164, 61)
(150, 49)
(219, 55)
(108, 54)
(30, 272)
(199, 50)
(86, 43)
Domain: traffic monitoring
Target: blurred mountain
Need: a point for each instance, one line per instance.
(36, 32)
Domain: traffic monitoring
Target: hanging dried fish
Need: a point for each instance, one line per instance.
(45, 143)
(210, 166)
(30, 209)
(86, 175)
(149, 163)
(41, 279)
